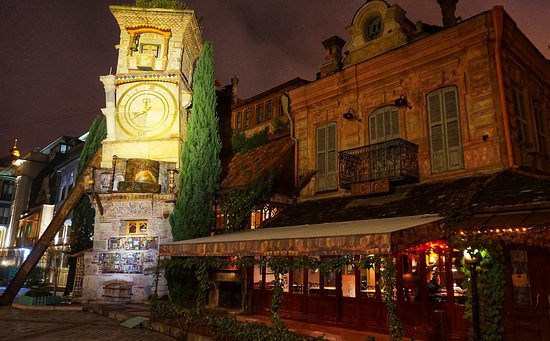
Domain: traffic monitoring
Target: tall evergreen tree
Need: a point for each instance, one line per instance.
(200, 169)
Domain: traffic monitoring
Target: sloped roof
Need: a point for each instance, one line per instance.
(443, 198)
(514, 188)
(242, 169)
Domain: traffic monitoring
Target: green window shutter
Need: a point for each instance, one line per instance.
(452, 124)
(321, 159)
(445, 141)
(327, 161)
(384, 125)
(372, 128)
(332, 157)
(437, 139)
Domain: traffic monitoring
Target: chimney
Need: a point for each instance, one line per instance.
(333, 55)
(448, 9)
(234, 89)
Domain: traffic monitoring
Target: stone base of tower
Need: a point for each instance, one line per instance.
(132, 200)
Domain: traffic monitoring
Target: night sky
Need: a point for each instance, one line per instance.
(54, 51)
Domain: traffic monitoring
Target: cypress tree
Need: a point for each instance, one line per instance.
(193, 215)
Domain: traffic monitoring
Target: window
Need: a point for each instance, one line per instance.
(136, 227)
(327, 177)
(238, 121)
(269, 110)
(4, 215)
(259, 113)
(541, 131)
(445, 142)
(63, 148)
(523, 125)
(7, 190)
(373, 28)
(384, 124)
(281, 112)
(246, 118)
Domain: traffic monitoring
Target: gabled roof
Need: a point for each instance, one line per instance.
(242, 169)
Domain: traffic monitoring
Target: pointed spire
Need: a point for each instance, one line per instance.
(14, 152)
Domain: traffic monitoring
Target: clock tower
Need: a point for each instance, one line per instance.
(147, 100)
(134, 190)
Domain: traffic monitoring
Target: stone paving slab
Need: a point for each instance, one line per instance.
(17, 324)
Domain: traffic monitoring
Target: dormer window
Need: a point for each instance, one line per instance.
(373, 28)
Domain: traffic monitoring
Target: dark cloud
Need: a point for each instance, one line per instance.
(54, 51)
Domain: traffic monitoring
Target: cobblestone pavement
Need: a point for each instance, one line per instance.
(16, 324)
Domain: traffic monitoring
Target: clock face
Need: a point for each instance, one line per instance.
(146, 110)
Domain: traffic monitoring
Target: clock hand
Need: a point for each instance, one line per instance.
(143, 112)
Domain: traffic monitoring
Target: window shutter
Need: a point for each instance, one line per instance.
(445, 141)
(437, 142)
(395, 122)
(384, 124)
(321, 159)
(452, 125)
(327, 161)
(332, 161)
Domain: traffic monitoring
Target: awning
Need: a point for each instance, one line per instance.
(512, 219)
(373, 236)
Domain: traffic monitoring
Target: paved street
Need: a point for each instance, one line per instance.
(16, 324)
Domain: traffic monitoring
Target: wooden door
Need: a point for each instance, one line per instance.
(527, 306)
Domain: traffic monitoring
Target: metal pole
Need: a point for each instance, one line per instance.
(475, 303)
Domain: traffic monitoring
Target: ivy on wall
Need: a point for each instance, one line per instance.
(238, 203)
(195, 316)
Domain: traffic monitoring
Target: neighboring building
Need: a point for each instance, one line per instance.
(49, 189)
(413, 129)
(147, 107)
(263, 111)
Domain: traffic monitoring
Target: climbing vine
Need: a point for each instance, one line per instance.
(491, 282)
(238, 203)
(386, 269)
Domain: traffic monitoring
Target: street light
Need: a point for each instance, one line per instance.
(473, 257)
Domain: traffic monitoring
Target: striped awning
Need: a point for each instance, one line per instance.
(372, 236)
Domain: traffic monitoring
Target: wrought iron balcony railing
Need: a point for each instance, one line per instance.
(393, 160)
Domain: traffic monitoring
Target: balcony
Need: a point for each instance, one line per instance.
(395, 160)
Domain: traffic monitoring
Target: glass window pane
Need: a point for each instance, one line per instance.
(313, 281)
(411, 279)
(298, 281)
(348, 281)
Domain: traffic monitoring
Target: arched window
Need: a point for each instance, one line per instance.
(384, 124)
(445, 140)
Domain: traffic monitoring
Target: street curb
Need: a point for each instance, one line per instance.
(47, 307)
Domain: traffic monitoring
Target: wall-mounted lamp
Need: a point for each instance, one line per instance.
(402, 102)
(350, 115)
